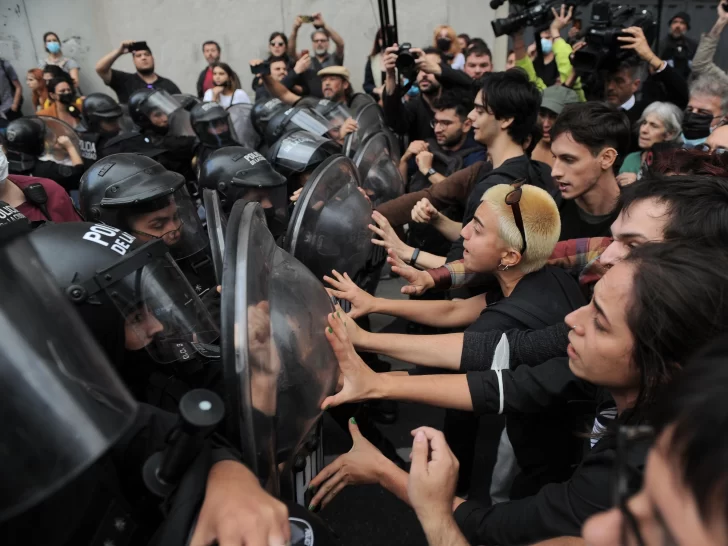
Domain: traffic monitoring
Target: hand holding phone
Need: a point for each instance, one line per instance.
(306, 18)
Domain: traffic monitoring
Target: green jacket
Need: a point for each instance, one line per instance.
(562, 52)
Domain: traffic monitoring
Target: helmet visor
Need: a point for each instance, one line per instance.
(161, 311)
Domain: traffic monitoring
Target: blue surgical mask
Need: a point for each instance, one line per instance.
(689, 144)
(546, 46)
(53, 47)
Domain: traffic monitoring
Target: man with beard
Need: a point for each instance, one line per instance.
(414, 118)
(125, 83)
(320, 41)
(335, 86)
(478, 62)
(679, 50)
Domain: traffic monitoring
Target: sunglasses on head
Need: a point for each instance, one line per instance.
(513, 200)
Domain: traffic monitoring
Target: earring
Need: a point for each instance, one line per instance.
(502, 267)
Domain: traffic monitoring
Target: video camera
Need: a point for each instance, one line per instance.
(534, 13)
(603, 51)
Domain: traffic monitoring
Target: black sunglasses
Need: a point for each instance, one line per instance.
(277, 43)
(621, 491)
(513, 199)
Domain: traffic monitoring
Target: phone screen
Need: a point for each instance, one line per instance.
(306, 18)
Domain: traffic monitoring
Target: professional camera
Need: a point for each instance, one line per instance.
(406, 61)
(534, 13)
(603, 50)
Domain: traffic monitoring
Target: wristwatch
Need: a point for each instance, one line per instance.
(431, 172)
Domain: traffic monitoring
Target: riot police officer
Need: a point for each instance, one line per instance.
(155, 112)
(105, 134)
(137, 194)
(212, 126)
(236, 173)
(44, 148)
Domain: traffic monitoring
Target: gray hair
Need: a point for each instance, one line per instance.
(712, 85)
(670, 115)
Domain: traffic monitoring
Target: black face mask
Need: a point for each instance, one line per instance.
(67, 98)
(696, 126)
(443, 44)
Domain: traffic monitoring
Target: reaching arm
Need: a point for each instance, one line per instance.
(337, 39)
(438, 313)
(103, 67)
(74, 76)
(280, 91)
(293, 38)
(436, 351)
(450, 229)
(703, 59)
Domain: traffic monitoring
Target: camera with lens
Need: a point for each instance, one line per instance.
(532, 13)
(406, 61)
(603, 49)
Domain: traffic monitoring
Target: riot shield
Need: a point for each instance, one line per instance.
(379, 174)
(187, 101)
(329, 226)
(216, 227)
(242, 123)
(370, 120)
(359, 101)
(53, 151)
(278, 365)
(180, 124)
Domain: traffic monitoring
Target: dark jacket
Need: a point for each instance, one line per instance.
(679, 52)
(522, 167)
(666, 86)
(558, 509)
(413, 118)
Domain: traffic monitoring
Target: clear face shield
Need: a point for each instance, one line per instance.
(172, 218)
(59, 135)
(159, 107)
(216, 133)
(162, 313)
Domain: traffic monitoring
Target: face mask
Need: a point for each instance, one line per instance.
(443, 44)
(546, 46)
(697, 126)
(68, 99)
(53, 47)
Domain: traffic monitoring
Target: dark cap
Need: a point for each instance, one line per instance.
(681, 15)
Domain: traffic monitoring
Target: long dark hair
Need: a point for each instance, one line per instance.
(233, 82)
(45, 36)
(377, 48)
(679, 303)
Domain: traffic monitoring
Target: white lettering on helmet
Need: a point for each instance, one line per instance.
(111, 237)
(254, 158)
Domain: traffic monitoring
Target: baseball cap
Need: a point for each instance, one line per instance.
(335, 71)
(554, 98)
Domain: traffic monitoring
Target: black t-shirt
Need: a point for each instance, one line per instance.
(577, 224)
(125, 83)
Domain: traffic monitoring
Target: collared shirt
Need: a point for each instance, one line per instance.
(629, 104)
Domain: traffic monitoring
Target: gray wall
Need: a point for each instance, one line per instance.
(175, 30)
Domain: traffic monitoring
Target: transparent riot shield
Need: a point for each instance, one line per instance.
(359, 101)
(216, 227)
(380, 177)
(329, 226)
(180, 124)
(370, 120)
(54, 129)
(242, 122)
(278, 364)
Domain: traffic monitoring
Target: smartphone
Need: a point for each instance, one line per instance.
(304, 52)
(263, 69)
(306, 18)
(138, 46)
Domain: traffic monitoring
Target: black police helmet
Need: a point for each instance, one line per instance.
(122, 182)
(300, 151)
(26, 136)
(264, 111)
(136, 100)
(97, 107)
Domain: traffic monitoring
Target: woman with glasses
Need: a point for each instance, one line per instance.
(278, 47)
(511, 237)
(683, 495)
(659, 127)
(649, 314)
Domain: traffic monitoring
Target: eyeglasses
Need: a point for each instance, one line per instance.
(444, 124)
(165, 236)
(621, 492)
(277, 44)
(321, 40)
(719, 150)
(512, 200)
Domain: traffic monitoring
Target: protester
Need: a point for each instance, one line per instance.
(335, 85)
(703, 60)
(649, 314)
(211, 51)
(661, 124)
(320, 43)
(717, 142)
(679, 49)
(511, 60)
(553, 101)
(11, 92)
(65, 104)
(279, 71)
(706, 109)
(145, 77)
(478, 62)
(278, 46)
(446, 41)
(35, 82)
(683, 493)
(226, 90)
(55, 57)
(38, 199)
(374, 72)
(51, 71)
(414, 118)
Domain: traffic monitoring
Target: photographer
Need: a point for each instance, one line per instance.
(414, 118)
(664, 83)
(320, 43)
(561, 50)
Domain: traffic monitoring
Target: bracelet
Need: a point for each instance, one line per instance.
(413, 260)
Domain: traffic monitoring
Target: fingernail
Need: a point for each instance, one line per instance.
(311, 507)
(420, 436)
(352, 421)
(337, 314)
(330, 330)
(327, 407)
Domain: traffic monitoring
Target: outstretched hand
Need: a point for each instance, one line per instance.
(360, 382)
(419, 281)
(362, 303)
(388, 238)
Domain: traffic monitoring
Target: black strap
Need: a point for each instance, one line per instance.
(33, 198)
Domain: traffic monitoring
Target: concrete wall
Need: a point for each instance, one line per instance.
(175, 30)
